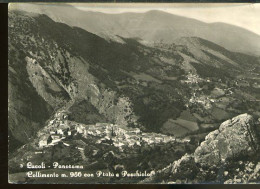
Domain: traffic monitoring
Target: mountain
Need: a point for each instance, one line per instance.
(77, 98)
(151, 26)
(179, 88)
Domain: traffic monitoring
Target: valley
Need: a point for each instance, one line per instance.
(112, 105)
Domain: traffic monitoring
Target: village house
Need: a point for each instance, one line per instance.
(101, 124)
(56, 141)
(119, 131)
(131, 142)
(136, 131)
(72, 132)
(61, 115)
(168, 139)
(80, 129)
(147, 140)
(60, 132)
(186, 140)
(65, 117)
(138, 143)
(67, 132)
(55, 136)
(52, 122)
(158, 139)
(44, 140)
(89, 132)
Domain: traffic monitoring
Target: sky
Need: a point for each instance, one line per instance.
(246, 15)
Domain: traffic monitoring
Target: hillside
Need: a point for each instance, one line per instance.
(129, 83)
(76, 97)
(150, 26)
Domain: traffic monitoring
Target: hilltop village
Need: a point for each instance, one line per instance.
(60, 128)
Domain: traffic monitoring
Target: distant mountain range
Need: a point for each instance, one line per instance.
(151, 26)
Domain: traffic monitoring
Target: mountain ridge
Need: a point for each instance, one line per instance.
(123, 24)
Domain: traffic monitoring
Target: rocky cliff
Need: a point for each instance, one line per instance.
(229, 154)
(235, 137)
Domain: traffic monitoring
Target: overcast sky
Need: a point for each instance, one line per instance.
(243, 15)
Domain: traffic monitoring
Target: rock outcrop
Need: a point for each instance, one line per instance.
(219, 158)
(234, 137)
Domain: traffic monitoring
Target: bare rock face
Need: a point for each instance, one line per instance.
(213, 160)
(236, 136)
(179, 163)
